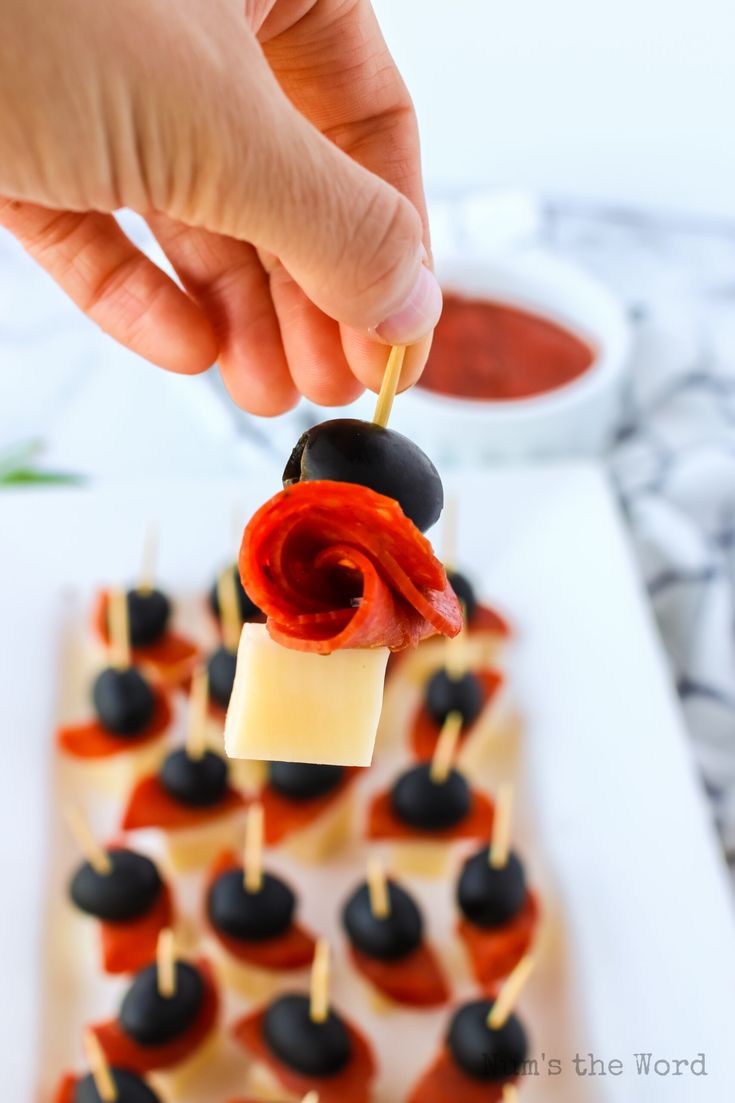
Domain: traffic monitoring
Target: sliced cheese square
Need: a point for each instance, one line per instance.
(295, 706)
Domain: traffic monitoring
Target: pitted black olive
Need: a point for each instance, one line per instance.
(419, 801)
(198, 782)
(123, 700)
(465, 591)
(129, 890)
(304, 780)
(248, 608)
(350, 451)
(151, 1019)
(221, 671)
(483, 1053)
(239, 913)
(130, 1089)
(311, 1048)
(488, 896)
(445, 694)
(148, 615)
(388, 937)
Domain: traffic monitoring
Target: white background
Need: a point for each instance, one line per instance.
(627, 102)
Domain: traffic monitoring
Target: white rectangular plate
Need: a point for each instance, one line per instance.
(614, 821)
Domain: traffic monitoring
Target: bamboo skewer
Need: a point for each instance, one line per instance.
(166, 963)
(500, 843)
(446, 746)
(388, 387)
(196, 735)
(510, 1093)
(229, 609)
(253, 859)
(100, 1068)
(147, 576)
(96, 855)
(311, 1097)
(507, 998)
(119, 629)
(378, 889)
(320, 970)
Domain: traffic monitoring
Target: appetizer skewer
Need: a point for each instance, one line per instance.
(484, 1050)
(131, 715)
(190, 799)
(387, 944)
(300, 1043)
(428, 808)
(221, 663)
(166, 1021)
(251, 916)
(166, 655)
(124, 891)
(103, 1084)
(309, 808)
(344, 576)
(499, 914)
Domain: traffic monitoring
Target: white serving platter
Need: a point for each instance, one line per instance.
(639, 953)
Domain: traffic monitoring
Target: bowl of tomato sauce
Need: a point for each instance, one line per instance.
(529, 360)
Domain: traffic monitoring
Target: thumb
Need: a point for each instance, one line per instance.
(350, 240)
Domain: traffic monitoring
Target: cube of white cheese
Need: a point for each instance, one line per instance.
(296, 706)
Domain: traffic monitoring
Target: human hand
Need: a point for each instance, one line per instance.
(274, 156)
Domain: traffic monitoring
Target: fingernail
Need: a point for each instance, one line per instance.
(417, 315)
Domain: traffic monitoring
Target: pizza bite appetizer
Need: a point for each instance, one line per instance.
(165, 655)
(128, 1087)
(309, 808)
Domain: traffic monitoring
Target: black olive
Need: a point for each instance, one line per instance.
(128, 891)
(488, 896)
(394, 936)
(199, 782)
(465, 591)
(311, 1048)
(482, 1053)
(430, 805)
(130, 1089)
(123, 700)
(148, 614)
(445, 694)
(151, 1019)
(221, 670)
(248, 608)
(304, 780)
(350, 451)
(239, 913)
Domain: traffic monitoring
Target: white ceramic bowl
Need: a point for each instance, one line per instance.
(575, 419)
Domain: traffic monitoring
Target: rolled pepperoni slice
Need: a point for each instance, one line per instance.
(336, 565)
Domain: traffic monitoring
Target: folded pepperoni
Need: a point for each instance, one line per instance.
(131, 945)
(494, 952)
(336, 565)
(284, 817)
(416, 980)
(445, 1082)
(384, 824)
(424, 732)
(91, 740)
(66, 1089)
(150, 805)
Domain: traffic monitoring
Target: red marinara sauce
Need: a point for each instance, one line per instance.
(488, 350)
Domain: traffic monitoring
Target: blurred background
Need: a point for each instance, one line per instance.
(580, 156)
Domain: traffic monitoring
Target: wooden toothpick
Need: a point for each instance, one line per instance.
(166, 962)
(119, 629)
(229, 608)
(500, 843)
(253, 860)
(147, 576)
(97, 857)
(456, 658)
(320, 982)
(311, 1097)
(388, 387)
(196, 735)
(510, 1093)
(507, 998)
(445, 749)
(378, 889)
(100, 1068)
